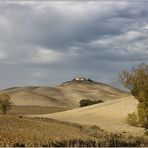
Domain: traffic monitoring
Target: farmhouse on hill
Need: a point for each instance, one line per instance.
(80, 79)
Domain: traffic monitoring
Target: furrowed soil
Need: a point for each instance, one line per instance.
(16, 131)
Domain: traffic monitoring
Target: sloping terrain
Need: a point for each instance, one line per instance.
(16, 131)
(37, 132)
(66, 95)
(109, 115)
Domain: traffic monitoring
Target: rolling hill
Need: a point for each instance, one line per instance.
(64, 99)
(109, 115)
(65, 95)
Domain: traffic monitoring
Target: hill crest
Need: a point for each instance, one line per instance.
(68, 94)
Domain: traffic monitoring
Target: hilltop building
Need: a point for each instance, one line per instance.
(80, 79)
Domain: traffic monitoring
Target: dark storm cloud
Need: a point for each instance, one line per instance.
(50, 42)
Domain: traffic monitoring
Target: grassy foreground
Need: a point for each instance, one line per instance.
(16, 131)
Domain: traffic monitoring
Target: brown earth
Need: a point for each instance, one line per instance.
(21, 110)
(29, 132)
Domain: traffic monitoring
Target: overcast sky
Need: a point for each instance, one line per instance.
(47, 43)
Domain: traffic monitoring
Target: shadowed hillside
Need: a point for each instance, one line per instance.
(66, 95)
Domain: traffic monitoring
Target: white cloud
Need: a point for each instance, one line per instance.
(130, 35)
(145, 27)
(4, 23)
(37, 75)
(47, 56)
(3, 55)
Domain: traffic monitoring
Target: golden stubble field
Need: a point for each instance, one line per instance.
(16, 131)
(110, 115)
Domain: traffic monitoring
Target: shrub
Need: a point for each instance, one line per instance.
(142, 114)
(5, 103)
(132, 119)
(146, 133)
(86, 102)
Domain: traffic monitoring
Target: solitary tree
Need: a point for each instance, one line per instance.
(5, 103)
(137, 82)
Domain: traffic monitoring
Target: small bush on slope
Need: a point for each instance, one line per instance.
(86, 102)
(132, 119)
(5, 103)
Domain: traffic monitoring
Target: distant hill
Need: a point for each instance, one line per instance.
(67, 94)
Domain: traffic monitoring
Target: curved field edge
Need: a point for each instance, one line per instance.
(109, 115)
(32, 109)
